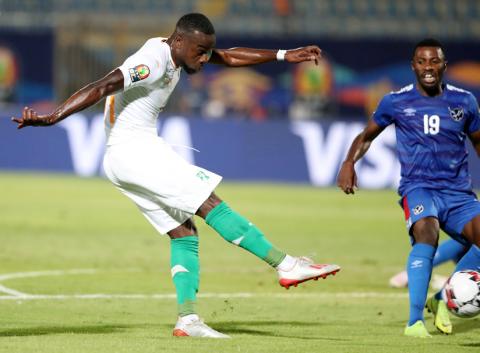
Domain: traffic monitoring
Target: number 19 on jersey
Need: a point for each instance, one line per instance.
(431, 124)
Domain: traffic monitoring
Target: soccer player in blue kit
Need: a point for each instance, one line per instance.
(432, 121)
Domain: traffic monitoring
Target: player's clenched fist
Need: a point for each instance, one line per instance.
(309, 53)
(347, 178)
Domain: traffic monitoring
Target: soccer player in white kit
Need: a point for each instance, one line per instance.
(168, 190)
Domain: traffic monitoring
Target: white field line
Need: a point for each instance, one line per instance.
(17, 294)
(238, 295)
(87, 271)
(13, 294)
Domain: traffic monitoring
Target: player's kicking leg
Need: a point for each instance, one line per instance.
(469, 216)
(441, 318)
(239, 231)
(185, 274)
(437, 306)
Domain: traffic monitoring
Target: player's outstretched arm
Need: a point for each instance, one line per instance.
(83, 98)
(236, 57)
(347, 178)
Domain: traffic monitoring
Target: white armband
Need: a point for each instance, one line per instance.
(281, 54)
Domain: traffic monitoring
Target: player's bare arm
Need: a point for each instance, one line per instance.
(347, 178)
(80, 100)
(475, 139)
(236, 57)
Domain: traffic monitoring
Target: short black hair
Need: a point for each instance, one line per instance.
(428, 42)
(195, 22)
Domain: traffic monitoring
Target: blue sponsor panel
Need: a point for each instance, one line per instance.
(40, 149)
(250, 151)
(276, 151)
(26, 65)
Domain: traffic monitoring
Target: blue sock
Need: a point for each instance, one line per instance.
(419, 270)
(470, 261)
(448, 250)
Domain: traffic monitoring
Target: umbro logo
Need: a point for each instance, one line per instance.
(416, 264)
(409, 111)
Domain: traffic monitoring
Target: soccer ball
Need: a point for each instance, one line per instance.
(461, 293)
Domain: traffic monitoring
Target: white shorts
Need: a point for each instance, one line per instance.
(167, 189)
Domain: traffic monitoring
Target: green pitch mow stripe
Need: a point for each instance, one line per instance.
(345, 295)
(52, 222)
(13, 294)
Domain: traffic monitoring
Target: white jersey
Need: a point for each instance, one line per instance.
(167, 189)
(149, 76)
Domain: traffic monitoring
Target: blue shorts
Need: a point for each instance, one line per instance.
(453, 209)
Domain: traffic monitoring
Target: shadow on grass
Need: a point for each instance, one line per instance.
(465, 325)
(255, 328)
(53, 330)
(470, 345)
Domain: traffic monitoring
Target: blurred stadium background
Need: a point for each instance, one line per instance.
(275, 122)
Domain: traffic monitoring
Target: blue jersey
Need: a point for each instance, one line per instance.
(431, 134)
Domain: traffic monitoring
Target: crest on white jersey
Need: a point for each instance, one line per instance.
(139, 72)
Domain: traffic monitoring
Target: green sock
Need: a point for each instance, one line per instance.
(185, 272)
(237, 230)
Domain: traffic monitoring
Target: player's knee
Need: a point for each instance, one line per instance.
(475, 238)
(471, 231)
(187, 229)
(177, 235)
(426, 231)
(209, 204)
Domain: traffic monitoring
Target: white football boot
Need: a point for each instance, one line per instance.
(304, 270)
(400, 280)
(438, 282)
(195, 328)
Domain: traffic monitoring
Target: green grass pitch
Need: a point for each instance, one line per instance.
(64, 240)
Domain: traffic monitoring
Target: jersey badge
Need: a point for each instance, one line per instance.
(202, 176)
(409, 111)
(168, 76)
(456, 113)
(166, 79)
(139, 72)
(418, 209)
